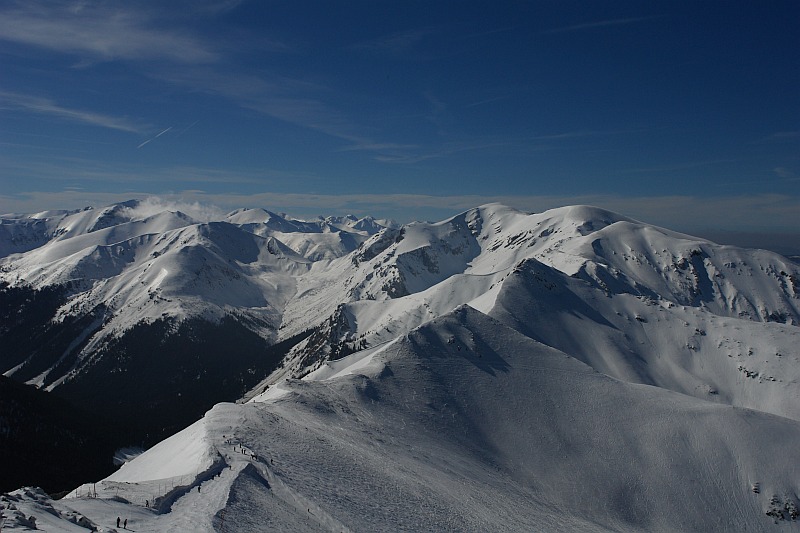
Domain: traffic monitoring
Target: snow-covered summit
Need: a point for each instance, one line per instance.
(400, 278)
(593, 371)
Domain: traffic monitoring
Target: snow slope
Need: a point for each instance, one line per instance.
(133, 269)
(358, 282)
(464, 425)
(322, 239)
(355, 283)
(597, 373)
(401, 278)
(657, 342)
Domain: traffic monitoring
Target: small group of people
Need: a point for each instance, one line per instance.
(125, 526)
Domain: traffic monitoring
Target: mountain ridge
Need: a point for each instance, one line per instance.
(466, 424)
(167, 265)
(254, 304)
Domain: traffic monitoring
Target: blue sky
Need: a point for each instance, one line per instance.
(685, 114)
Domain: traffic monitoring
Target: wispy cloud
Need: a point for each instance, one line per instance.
(486, 101)
(568, 135)
(98, 175)
(315, 114)
(44, 106)
(309, 113)
(394, 43)
(306, 104)
(378, 147)
(53, 137)
(215, 6)
(446, 149)
(780, 136)
(679, 166)
(100, 30)
(598, 24)
(410, 154)
(153, 205)
(297, 102)
(438, 111)
(785, 174)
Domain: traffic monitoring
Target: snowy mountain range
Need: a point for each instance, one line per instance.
(567, 370)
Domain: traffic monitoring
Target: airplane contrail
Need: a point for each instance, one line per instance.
(187, 128)
(156, 137)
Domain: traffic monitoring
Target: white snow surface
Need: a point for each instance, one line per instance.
(559, 371)
(371, 279)
(167, 265)
(462, 425)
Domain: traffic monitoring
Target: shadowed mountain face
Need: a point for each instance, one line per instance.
(159, 377)
(47, 442)
(150, 381)
(152, 321)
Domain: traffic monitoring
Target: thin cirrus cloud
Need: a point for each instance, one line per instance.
(289, 100)
(44, 106)
(444, 150)
(785, 174)
(395, 43)
(598, 24)
(314, 114)
(487, 101)
(76, 169)
(101, 31)
(378, 147)
(286, 99)
(780, 136)
(115, 31)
